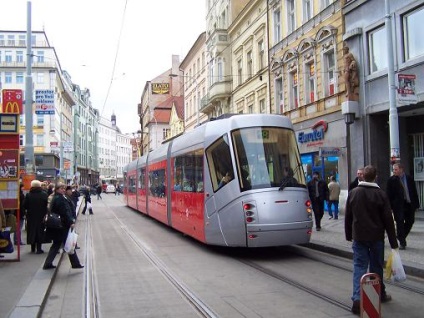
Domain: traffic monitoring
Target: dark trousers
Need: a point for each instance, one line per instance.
(54, 249)
(404, 221)
(85, 208)
(318, 207)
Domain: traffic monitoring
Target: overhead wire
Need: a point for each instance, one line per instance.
(116, 58)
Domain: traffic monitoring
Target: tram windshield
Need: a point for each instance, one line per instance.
(267, 157)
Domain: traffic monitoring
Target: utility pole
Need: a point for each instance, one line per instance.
(393, 114)
(29, 140)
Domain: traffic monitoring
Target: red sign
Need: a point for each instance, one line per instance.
(12, 101)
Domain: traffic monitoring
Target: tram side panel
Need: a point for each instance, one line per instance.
(141, 189)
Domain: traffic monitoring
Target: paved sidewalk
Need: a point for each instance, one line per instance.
(25, 285)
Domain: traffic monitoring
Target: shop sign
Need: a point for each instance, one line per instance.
(315, 136)
(330, 152)
(160, 88)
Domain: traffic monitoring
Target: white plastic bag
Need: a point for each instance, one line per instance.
(71, 242)
(394, 267)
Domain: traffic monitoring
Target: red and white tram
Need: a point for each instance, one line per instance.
(220, 183)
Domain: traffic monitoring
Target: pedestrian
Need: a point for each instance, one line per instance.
(318, 193)
(2, 220)
(359, 177)
(99, 192)
(35, 204)
(75, 196)
(368, 217)
(117, 190)
(404, 201)
(87, 201)
(288, 179)
(60, 206)
(333, 198)
(50, 189)
(21, 217)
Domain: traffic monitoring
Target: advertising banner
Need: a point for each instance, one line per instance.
(12, 101)
(406, 89)
(44, 102)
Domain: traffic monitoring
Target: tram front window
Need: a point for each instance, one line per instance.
(263, 154)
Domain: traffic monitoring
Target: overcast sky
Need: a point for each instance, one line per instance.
(86, 36)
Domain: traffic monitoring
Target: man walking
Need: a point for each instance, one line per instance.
(334, 190)
(368, 217)
(318, 193)
(404, 201)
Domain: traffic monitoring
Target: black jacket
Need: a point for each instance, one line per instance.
(368, 215)
(353, 184)
(322, 190)
(35, 204)
(396, 194)
(61, 206)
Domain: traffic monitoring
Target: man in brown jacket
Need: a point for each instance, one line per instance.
(368, 217)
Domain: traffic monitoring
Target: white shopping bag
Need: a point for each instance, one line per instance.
(71, 242)
(394, 268)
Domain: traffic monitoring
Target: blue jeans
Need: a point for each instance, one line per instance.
(336, 208)
(367, 253)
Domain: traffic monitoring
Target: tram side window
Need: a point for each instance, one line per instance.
(157, 183)
(188, 172)
(141, 178)
(131, 187)
(219, 163)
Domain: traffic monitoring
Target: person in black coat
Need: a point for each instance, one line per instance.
(318, 193)
(87, 199)
(359, 177)
(404, 201)
(59, 205)
(35, 204)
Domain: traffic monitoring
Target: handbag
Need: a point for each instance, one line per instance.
(71, 242)
(53, 221)
(6, 245)
(394, 268)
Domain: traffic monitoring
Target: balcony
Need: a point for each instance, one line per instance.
(218, 91)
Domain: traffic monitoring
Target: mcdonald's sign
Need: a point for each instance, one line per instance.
(12, 101)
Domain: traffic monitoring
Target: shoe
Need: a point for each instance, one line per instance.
(356, 307)
(51, 266)
(386, 298)
(336, 218)
(83, 213)
(318, 229)
(78, 266)
(39, 252)
(330, 218)
(402, 247)
(77, 247)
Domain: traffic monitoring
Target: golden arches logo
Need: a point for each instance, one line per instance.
(11, 108)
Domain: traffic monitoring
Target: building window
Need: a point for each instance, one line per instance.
(329, 73)
(220, 70)
(1, 39)
(279, 95)
(8, 77)
(11, 40)
(325, 3)
(39, 140)
(8, 57)
(40, 120)
(294, 100)
(250, 109)
(307, 10)
(249, 64)
(40, 78)
(310, 82)
(413, 43)
(262, 106)
(211, 73)
(22, 40)
(291, 16)
(19, 56)
(40, 56)
(277, 26)
(261, 50)
(377, 50)
(19, 77)
(239, 72)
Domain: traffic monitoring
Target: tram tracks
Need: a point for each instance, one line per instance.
(186, 293)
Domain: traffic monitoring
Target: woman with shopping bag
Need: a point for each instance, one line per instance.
(59, 235)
